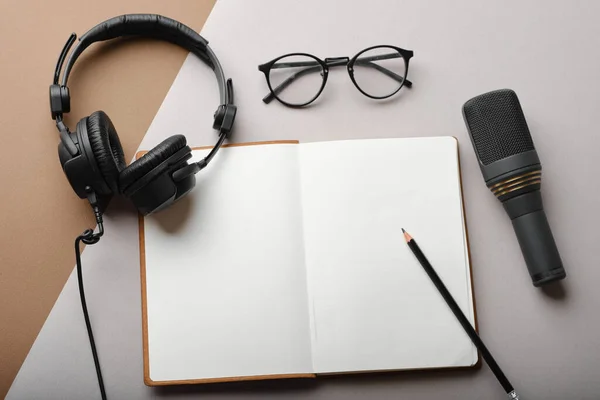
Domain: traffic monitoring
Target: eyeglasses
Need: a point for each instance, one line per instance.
(297, 79)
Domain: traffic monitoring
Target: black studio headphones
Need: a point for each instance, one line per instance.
(92, 156)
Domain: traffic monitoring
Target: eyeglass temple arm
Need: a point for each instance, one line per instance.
(334, 62)
(279, 88)
(368, 62)
(384, 71)
(315, 67)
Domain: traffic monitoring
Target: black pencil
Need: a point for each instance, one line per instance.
(487, 356)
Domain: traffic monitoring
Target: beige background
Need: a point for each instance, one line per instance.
(40, 215)
(547, 51)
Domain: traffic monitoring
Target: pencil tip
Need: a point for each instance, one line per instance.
(407, 236)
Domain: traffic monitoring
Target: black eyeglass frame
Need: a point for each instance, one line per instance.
(323, 65)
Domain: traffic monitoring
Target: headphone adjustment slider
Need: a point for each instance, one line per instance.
(224, 118)
(60, 100)
(65, 138)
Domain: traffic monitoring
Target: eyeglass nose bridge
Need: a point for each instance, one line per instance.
(337, 61)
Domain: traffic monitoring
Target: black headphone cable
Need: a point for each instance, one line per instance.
(89, 237)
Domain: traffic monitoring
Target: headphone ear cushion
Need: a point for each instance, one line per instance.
(150, 160)
(107, 148)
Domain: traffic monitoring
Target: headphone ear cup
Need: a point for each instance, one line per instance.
(150, 160)
(148, 181)
(106, 147)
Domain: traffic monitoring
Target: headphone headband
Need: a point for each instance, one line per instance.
(150, 26)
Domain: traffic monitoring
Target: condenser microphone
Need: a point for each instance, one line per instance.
(512, 170)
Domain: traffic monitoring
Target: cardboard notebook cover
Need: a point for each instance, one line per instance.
(146, 356)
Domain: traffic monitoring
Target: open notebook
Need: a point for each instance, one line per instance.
(287, 260)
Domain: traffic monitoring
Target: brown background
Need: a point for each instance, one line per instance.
(40, 214)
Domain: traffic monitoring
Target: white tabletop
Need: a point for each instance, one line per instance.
(546, 340)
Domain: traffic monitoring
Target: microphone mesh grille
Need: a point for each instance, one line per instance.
(497, 125)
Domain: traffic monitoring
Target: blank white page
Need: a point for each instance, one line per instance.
(225, 275)
(372, 305)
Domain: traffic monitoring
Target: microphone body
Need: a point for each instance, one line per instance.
(512, 170)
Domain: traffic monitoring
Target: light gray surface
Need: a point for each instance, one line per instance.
(548, 342)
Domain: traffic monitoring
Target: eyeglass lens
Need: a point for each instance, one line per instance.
(379, 72)
(296, 79)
